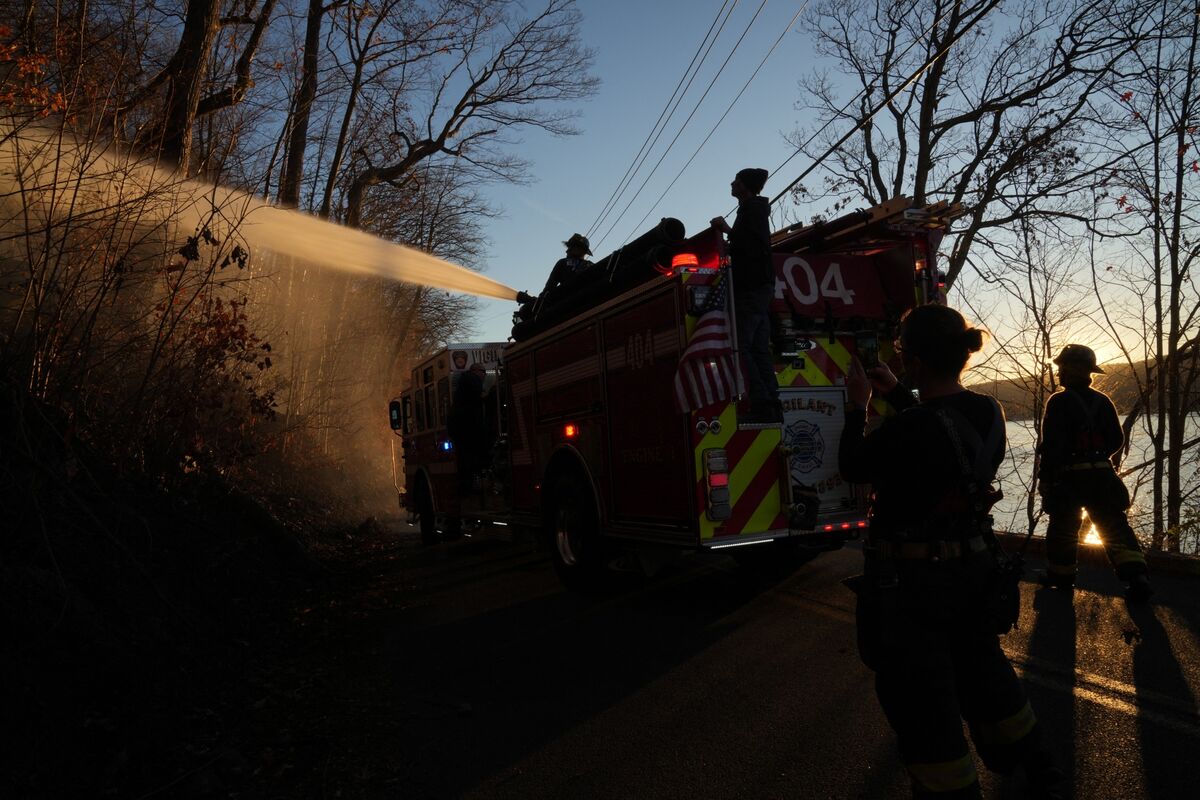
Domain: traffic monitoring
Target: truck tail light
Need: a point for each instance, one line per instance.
(570, 430)
(716, 479)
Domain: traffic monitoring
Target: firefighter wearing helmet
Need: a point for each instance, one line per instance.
(1080, 437)
(927, 617)
(566, 269)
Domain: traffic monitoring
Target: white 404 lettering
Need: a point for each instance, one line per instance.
(802, 283)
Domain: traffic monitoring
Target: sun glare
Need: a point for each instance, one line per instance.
(1092, 536)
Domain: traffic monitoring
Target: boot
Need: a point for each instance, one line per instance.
(1139, 588)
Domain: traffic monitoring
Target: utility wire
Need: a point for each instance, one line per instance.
(861, 93)
(647, 145)
(683, 169)
(686, 121)
(886, 101)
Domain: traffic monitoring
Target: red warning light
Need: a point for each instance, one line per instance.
(862, 523)
(718, 479)
(845, 525)
(570, 430)
(683, 260)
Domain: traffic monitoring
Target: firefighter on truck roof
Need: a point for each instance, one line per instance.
(1080, 437)
(572, 265)
(927, 623)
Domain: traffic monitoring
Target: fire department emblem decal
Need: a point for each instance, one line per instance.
(807, 444)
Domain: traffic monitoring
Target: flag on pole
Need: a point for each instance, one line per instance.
(708, 370)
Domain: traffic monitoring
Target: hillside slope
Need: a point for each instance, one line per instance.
(1117, 382)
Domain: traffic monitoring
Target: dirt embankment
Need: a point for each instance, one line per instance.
(137, 618)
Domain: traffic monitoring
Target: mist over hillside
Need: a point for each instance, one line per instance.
(1118, 382)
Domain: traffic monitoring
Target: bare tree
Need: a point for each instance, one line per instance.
(188, 93)
(499, 75)
(1030, 280)
(1145, 282)
(1007, 98)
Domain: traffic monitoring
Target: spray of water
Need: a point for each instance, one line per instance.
(46, 163)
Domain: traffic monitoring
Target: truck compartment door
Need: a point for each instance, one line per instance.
(649, 459)
(813, 418)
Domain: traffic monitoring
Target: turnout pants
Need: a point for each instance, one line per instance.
(754, 341)
(937, 665)
(1103, 495)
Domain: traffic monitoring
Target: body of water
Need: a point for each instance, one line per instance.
(1016, 477)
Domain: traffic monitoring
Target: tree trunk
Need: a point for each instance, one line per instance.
(184, 82)
(293, 170)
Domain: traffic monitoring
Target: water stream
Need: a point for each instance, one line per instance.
(58, 175)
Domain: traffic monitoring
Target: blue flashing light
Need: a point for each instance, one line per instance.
(446, 445)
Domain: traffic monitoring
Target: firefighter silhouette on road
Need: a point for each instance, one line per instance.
(1080, 437)
(927, 623)
(467, 424)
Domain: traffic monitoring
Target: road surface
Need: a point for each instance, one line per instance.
(464, 670)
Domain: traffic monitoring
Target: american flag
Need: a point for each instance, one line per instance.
(708, 370)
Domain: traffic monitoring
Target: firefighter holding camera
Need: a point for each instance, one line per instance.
(927, 612)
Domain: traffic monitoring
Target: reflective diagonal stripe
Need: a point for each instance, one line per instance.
(764, 497)
(821, 366)
(748, 466)
(1010, 729)
(754, 495)
(837, 353)
(810, 375)
(755, 474)
(944, 776)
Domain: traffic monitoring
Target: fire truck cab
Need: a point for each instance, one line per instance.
(585, 440)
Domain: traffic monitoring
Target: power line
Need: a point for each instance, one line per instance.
(686, 121)
(754, 75)
(647, 145)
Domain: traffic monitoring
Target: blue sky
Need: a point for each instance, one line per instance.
(642, 50)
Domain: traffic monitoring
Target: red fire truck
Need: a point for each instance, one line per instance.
(585, 440)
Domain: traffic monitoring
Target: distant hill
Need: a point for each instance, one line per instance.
(1117, 382)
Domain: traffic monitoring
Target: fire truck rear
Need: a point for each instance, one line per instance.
(597, 438)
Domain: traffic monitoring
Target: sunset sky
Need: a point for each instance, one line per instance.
(642, 50)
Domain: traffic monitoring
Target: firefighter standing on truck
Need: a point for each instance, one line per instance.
(1081, 436)
(924, 612)
(753, 273)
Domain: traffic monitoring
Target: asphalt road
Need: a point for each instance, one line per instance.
(464, 670)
